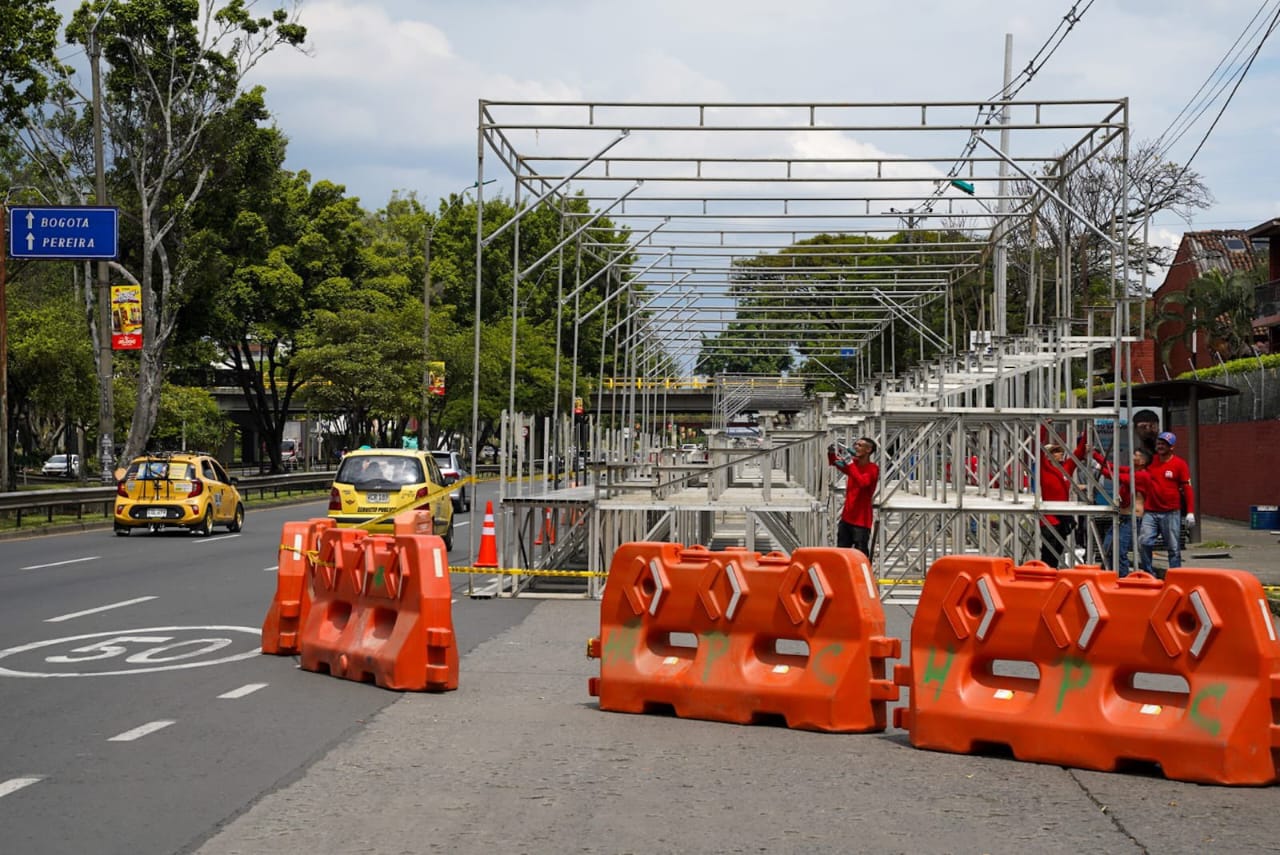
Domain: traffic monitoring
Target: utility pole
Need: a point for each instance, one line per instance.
(106, 395)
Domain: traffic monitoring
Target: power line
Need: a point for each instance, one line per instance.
(1197, 106)
(1065, 25)
(1275, 19)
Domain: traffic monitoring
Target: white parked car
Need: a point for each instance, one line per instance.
(452, 469)
(57, 465)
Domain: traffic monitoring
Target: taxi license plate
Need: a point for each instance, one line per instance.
(157, 513)
(378, 498)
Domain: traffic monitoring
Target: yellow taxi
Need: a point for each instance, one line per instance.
(377, 483)
(177, 489)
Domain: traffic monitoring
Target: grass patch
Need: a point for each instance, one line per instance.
(1214, 544)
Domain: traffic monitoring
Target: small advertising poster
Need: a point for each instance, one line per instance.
(435, 378)
(578, 408)
(126, 317)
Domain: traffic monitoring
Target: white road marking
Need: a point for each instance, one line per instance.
(142, 730)
(247, 689)
(217, 539)
(60, 563)
(118, 605)
(115, 644)
(461, 524)
(14, 784)
(273, 568)
(489, 590)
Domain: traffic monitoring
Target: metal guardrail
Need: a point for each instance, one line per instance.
(80, 498)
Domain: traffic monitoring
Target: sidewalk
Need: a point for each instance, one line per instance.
(1257, 551)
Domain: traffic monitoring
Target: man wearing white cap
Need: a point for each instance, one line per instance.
(1170, 491)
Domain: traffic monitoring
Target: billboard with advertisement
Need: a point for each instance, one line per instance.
(435, 378)
(126, 317)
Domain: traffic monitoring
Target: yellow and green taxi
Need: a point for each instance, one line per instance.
(374, 484)
(177, 490)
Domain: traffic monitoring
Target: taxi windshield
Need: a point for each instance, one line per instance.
(368, 468)
(160, 470)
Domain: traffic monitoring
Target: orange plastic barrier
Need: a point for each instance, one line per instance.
(292, 602)
(1080, 668)
(488, 556)
(382, 611)
(736, 636)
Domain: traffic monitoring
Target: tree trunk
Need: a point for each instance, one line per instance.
(145, 412)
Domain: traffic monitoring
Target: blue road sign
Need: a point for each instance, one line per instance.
(848, 351)
(59, 232)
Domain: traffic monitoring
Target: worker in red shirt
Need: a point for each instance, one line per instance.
(1054, 475)
(861, 478)
(1169, 494)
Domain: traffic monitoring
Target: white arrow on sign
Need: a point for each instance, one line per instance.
(31, 241)
(31, 219)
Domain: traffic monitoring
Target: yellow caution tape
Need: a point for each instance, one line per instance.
(498, 571)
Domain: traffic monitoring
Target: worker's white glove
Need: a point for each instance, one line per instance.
(1190, 520)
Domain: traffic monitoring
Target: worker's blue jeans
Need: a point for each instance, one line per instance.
(1157, 525)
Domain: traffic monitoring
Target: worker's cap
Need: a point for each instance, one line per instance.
(1168, 437)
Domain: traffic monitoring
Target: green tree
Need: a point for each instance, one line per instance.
(176, 68)
(28, 45)
(51, 373)
(353, 364)
(1217, 308)
(188, 418)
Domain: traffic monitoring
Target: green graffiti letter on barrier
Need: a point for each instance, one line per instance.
(1209, 725)
(717, 646)
(933, 674)
(829, 677)
(1071, 666)
(621, 643)
(378, 575)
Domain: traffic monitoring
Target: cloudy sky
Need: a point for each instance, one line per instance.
(386, 100)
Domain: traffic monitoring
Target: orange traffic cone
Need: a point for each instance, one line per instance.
(550, 527)
(537, 541)
(488, 556)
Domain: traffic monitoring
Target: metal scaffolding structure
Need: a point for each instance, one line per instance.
(705, 191)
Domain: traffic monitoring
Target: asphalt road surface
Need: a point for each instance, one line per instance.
(136, 711)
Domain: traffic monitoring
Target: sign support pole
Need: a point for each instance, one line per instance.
(106, 394)
(4, 354)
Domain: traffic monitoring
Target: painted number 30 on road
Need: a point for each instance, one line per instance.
(131, 651)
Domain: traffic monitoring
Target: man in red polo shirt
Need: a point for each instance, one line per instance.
(861, 477)
(1170, 487)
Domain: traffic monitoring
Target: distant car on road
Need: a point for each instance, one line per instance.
(452, 470)
(57, 465)
(289, 455)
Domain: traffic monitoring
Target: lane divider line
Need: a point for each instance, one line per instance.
(118, 605)
(217, 538)
(60, 563)
(142, 730)
(247, 689)
(14, 784)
